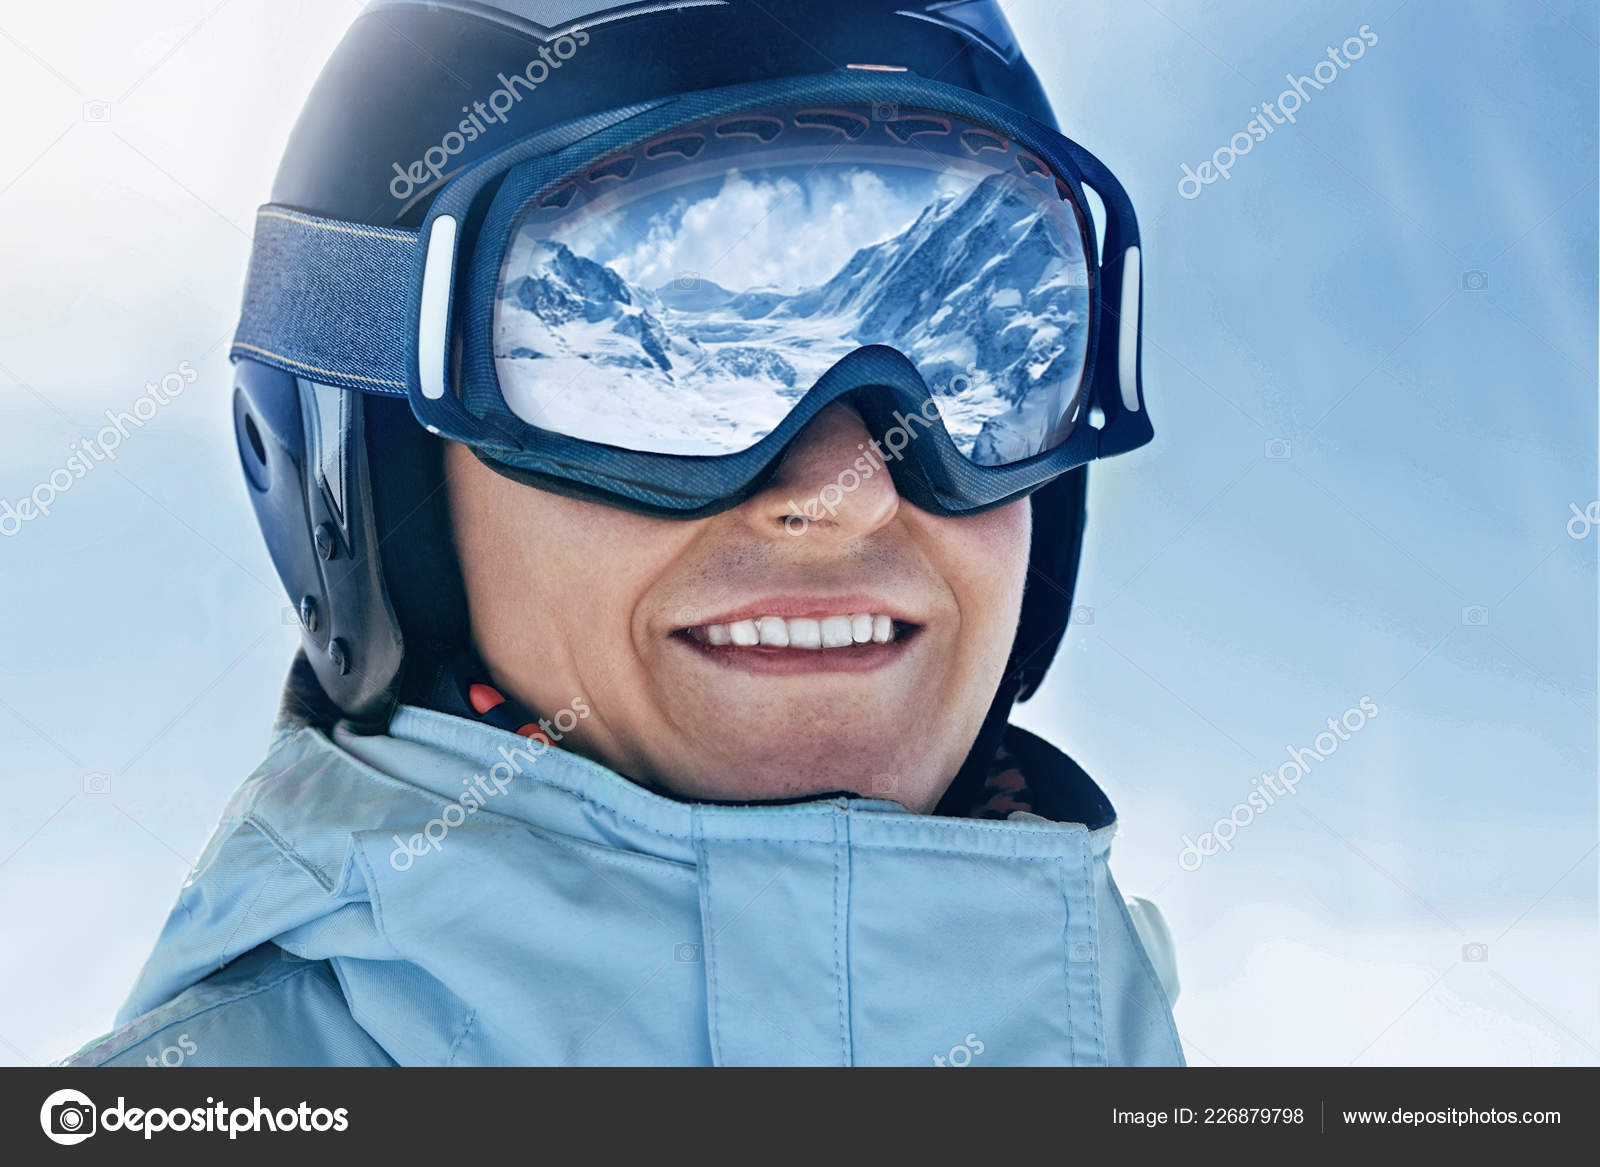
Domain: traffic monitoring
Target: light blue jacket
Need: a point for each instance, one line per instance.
(448, 894)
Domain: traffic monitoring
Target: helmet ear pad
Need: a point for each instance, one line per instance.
(1060, 513)
(416, 543)
(1058, 521)
(299, 445)
(367, 559)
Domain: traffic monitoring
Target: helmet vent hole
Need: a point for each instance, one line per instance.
(253, 436)
(1097, 418)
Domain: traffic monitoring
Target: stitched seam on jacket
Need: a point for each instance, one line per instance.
(374, 899)
(455, 1046)
(708, 941)
(1066, 945)
(222, 957)
(1152, 978)
(394, 783)
(244, 996)
(284, 844)
(1098, 1033)
(649, 864)
(839, 847)
(931, 850)
(889, 844)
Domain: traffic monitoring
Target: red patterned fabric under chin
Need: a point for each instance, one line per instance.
(498, 710)
(1005, 789)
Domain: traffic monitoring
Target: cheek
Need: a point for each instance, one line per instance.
(986, 565)
(538, 565)
(497, 531)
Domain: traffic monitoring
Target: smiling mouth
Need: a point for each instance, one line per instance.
(858, 642)
(821, 633)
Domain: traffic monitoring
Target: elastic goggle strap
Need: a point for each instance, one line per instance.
(330, 300)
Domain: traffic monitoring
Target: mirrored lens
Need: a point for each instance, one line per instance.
(681, 297)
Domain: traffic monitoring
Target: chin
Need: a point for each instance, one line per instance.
(913, 783)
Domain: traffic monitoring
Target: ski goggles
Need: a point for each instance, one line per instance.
(645, 307)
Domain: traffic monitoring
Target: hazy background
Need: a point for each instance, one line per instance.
(1371, 360)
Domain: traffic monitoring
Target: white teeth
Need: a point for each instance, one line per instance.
(836, 632)
(805, 634)
(802, 632)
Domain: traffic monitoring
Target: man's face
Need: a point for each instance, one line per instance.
(646, 621)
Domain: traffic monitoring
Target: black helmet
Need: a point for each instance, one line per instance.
(347, 487)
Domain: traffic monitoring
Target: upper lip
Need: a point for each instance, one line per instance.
(816, 607)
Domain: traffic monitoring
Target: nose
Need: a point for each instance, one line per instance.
(832, 483)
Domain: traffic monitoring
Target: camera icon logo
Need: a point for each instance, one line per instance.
(1474, 281)
(67, 1117)
(885, 111)
(1475, 953)
(99, 782)
(97, 111)
(686, 281)
(686, 953)
(1279, 449)
(1082, 614)
(1475, 615)
(884, 783)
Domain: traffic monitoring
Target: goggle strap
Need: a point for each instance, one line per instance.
(330, 300)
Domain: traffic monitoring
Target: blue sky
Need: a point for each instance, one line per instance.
(1371, 362)
(1398, 292)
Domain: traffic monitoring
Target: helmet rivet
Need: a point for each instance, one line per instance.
(308, 613)
(327, 546)
(339, 656)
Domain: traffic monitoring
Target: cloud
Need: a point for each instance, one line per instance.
(785, 229)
